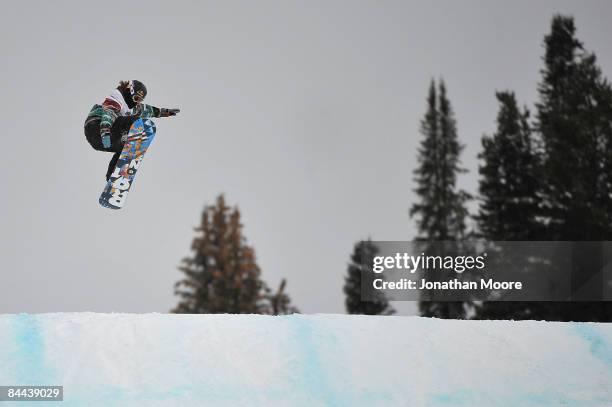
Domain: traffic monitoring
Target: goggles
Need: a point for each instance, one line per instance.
(137, 98)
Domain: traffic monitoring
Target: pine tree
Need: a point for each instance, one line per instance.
(222, 276)
(510, 177)
(575, 122)
(362, 260)
(441, 212)
(509, 185)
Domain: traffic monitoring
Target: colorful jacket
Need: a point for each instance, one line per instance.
(114, 106)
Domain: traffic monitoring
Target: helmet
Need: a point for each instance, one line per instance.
(133, 92)
(138, 90)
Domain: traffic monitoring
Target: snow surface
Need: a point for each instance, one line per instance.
(314, 360)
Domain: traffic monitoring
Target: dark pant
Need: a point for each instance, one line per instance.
(121, 126)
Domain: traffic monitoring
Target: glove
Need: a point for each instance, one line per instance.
(163, 112)
(106, 141)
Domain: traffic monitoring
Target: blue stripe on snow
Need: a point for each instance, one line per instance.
(601, 348)
(319, 374)
(29, 357)
(313, 373)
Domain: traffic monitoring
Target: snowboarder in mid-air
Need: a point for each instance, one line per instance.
(107, 125)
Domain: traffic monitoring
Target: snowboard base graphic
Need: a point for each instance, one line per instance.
(139, 138)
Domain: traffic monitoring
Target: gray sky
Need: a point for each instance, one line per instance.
(305, 114)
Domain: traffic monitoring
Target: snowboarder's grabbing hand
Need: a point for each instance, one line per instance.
(168, 112)
(107, 125)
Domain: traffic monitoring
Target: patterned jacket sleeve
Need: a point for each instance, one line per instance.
(148, 111)
(111, 110)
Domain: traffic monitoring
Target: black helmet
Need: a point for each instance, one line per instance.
(133, 92)
(138, 91)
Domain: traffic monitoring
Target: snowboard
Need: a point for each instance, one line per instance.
(139, 138)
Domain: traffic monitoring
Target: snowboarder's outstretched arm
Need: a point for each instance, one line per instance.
(109, 114)
(148, 111)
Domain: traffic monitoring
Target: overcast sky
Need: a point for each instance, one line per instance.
(304, 113)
